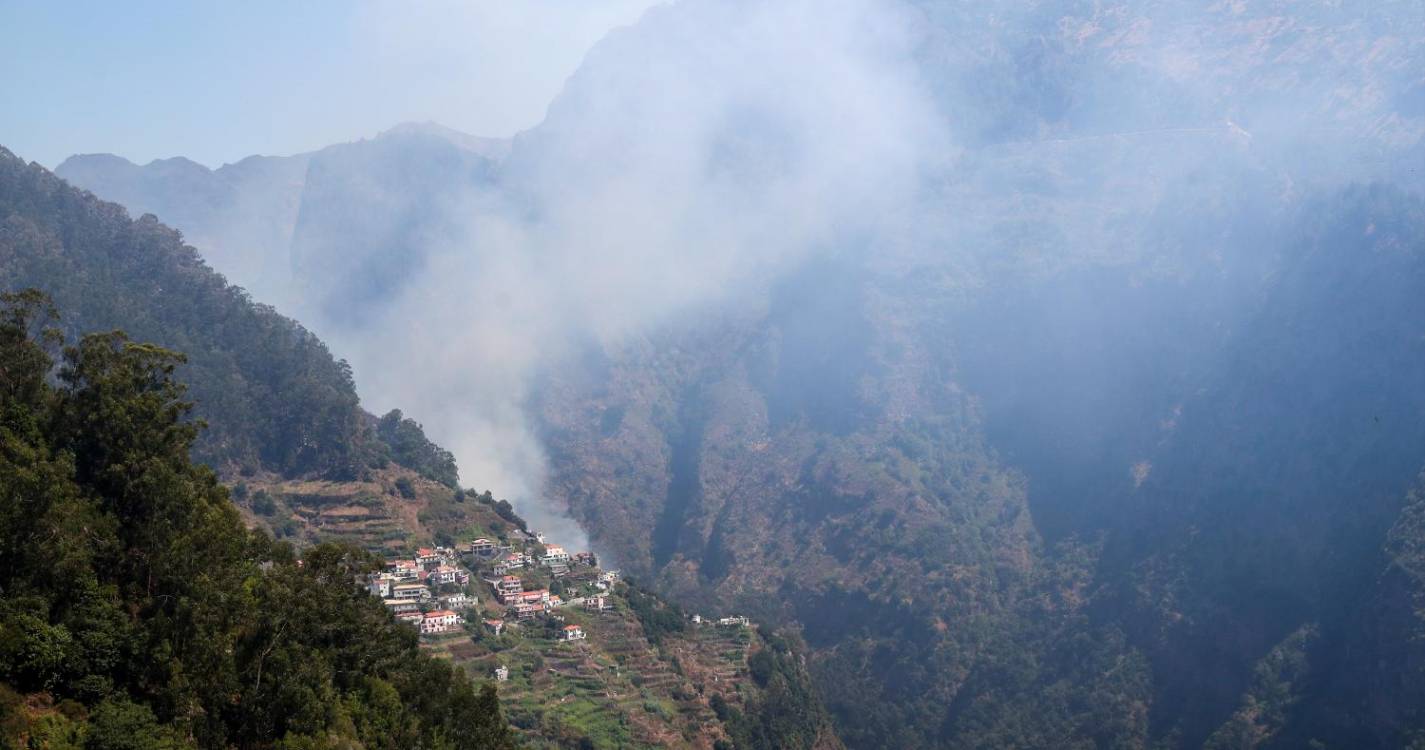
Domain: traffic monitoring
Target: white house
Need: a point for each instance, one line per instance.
(554, 554)
(380, 586)
(404, 570)
(427, 556)
(448, 574)
(573, 633)
(440, 621)
(413, 591)
(502, 673)
(596, 603)
(482, 546)
(457, 601)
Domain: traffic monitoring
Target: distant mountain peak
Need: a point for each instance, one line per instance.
(490, 148)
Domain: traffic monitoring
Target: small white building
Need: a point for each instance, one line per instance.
(573, 633)
(502, 673)
(482, 547)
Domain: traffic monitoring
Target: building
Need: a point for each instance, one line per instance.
(457, 601)
(412, 591)
(554, 554)
(731, 621)
(573, 633)
(509, 588)
(401, 606)
(483, 547)
(538, 596)
(526, 611)
(596, 603)
(427, 556)
(440, 621)
(586, 558)
(380, 586)
(502, 673)
(414, 618)
(448, 574)
(495, 626)
(514, 561)
(404, 570)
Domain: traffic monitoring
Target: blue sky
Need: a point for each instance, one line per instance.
(218, 81)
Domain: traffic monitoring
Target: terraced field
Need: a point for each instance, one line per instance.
(613, 689)
(372, 514)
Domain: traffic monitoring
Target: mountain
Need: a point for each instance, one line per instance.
(135, 608)
(1098, 424)
(323, 235)
(643, 678)
(275, 398)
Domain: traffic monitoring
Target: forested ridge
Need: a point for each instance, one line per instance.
(136, 611)
(274, 397)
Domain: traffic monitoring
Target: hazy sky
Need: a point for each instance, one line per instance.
(219, 81)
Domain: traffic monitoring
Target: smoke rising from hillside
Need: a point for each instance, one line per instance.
(713, 145)
(702, 152)
(763, 132)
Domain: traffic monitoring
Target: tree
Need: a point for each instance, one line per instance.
(129, 586)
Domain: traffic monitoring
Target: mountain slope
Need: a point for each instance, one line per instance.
(137, 611)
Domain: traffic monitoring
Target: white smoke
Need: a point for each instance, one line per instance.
(701, 150)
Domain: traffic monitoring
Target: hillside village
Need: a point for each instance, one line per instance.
(523, 578)
(567, 643)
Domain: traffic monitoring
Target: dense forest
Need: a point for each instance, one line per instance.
(274, 397)
(136, 611)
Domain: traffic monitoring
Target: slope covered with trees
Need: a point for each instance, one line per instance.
(274, 397)
(136, 611)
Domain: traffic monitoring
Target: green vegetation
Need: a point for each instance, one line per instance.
(658, 617)
(408, 446)
(133, 600)
(271, 393)
(787, 713)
